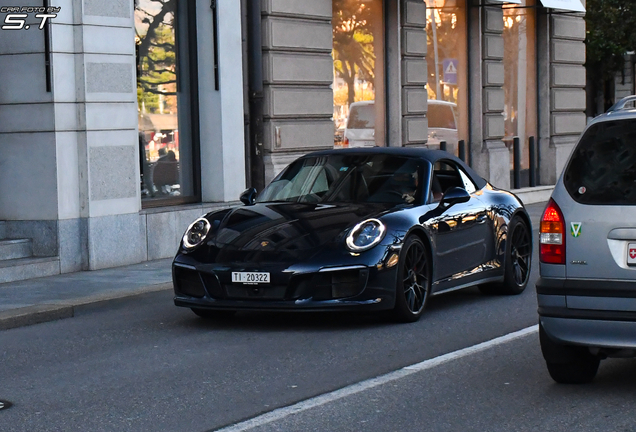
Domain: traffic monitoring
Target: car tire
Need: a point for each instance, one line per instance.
(213, 314)
(568, 364)
(413, 284)
(517, 261)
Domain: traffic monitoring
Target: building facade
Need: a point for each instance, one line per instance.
(122, 121)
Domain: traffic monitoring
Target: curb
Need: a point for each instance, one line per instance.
(58, 310)
(533, 195)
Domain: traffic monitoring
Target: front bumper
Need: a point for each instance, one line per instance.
(347, 287)
(594, 313)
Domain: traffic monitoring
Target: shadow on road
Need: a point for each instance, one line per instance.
(443, 307)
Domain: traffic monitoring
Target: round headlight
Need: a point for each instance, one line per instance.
(196, 232)
(365, 235)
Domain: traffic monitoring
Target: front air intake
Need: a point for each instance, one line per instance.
(188, 282)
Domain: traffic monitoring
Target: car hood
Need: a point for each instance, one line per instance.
(282, 232)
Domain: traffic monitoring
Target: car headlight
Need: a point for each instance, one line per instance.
(365, 235)
(196, 233)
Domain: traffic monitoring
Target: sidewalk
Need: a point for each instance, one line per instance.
(55, 297)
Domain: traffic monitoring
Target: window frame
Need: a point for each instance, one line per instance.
(456, 168)
(189, 33)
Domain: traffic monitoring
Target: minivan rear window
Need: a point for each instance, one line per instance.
(441, 116)
(362, 117)
(603, 165)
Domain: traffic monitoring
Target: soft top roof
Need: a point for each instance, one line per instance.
(429, 155)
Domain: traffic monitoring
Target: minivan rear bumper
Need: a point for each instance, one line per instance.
(587, 287)
(598, 313)
(591, 333)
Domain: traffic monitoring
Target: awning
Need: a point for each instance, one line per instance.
(568, 5)
(506, 1)
(157, 122)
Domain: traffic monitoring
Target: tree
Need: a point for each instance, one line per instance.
(353, 42)
(156, 55)
(610, 35)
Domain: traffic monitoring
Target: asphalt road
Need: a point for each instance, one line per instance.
(144, 365)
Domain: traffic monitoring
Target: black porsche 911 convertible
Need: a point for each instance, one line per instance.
(357, 230)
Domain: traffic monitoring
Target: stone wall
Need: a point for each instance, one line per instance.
(566, 101)
(297, 73)
(489, 155)
(414, 71)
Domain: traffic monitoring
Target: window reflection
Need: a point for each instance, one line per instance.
(447, 65)
(520, 86)
(358, 87)
(158, 98)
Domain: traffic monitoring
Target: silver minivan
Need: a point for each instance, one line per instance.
(360, 126)
(442, 124)
(587, 287)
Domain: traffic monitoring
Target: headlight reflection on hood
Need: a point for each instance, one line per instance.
(365, 235)
(196, 233)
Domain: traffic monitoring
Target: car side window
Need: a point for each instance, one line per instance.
(445, 176)
(468, 183)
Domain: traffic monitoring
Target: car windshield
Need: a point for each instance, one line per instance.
(603, 165)
(348, 178)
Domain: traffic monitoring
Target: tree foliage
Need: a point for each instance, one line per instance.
(156, 55)
(611, 32)
(353, 41)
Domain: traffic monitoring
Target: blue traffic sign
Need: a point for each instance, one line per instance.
(450, 70)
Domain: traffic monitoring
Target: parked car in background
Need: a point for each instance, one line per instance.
(442, 124)
(587, 289)
(360, 127)
(356, 230)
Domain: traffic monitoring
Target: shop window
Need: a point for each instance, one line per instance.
(447, 73)
(164, 96)
(520, 84)
(358, 87)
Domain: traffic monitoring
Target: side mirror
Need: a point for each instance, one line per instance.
(454, 195)
(249, 196)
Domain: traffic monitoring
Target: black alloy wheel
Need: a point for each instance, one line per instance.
(520, 253)
(413, 283)
(518, 260)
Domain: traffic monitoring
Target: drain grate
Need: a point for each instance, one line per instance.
(4, 404)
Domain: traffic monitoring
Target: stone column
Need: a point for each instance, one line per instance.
(70, 164)
(490, 157)
(414, 71)
(103, 111)
(566, 93)
(221, 112)
(28, 174)
(297, 73)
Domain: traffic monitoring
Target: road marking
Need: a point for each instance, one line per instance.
(352, 389)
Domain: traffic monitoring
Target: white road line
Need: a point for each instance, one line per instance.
(352, 389)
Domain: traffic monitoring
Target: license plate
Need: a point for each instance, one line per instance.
(631, 254)
(250, 277)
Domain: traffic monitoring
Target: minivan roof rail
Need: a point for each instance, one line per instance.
(621, 103)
